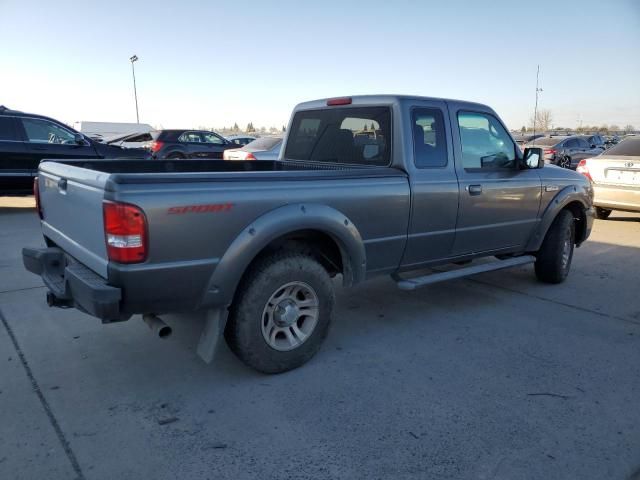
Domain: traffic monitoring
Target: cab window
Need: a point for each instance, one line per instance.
(485, 142)
(429, 145)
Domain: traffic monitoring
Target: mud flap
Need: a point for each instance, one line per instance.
(212, 333)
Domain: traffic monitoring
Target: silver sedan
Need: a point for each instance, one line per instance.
(263, 148)
(615, 175)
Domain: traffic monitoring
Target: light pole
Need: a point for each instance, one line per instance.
(133, 59)
(535, 110)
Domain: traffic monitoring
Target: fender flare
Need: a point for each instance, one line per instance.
(274, 224)
(564, 197)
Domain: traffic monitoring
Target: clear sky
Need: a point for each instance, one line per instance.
(214, 63)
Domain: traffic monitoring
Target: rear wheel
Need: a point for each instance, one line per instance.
(553, 260)
(565, 162)
(175, 156)
(602, 213)
(282, 312)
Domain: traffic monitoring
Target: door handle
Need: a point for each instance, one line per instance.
(474, 189)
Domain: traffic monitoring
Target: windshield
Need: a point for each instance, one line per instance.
(628, 147)
(545, 141)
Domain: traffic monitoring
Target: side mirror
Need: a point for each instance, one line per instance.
(533, 157)
(79, 138)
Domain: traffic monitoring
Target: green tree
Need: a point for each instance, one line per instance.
(284, 129)
(523, 129)
(365, 127)
(236, 127)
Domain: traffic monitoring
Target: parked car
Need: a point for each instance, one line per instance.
(596, 141)
(615, 175)
(240, 139)
(264, 148)
(434, 182)
(135, 140)
(172, 144)
(27, 138)
(564, 151)
(523, 139)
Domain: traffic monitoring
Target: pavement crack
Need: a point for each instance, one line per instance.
(555, 302)
(45, 404)
(21, 289)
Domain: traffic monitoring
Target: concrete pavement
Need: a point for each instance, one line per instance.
(496, 376)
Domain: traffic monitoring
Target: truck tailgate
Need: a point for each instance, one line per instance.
(71, 200)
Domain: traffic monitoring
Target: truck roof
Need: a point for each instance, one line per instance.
(384, 99)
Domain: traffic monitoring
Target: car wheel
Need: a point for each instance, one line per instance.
(282, 312)
(175, 156)
(553, 260)
(602, 213)
(565, 162)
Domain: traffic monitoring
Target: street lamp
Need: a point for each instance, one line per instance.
(535, 110)
(133, 59)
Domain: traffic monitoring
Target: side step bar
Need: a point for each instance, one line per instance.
(413, 283)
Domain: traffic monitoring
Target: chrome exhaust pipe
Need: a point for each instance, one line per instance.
(157, 326)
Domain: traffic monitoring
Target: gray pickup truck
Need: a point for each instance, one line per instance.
(365, 186)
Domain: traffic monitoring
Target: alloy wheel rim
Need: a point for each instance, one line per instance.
(290, 316)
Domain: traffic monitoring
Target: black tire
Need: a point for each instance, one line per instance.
(175, 156)
(244, 331)
(602, 213)
(553, 260)
(564, 162)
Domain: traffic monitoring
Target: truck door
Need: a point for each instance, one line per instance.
(434, 184)
(498, 201)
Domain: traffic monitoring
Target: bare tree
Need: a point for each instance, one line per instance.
(629, 129)
(542, 121)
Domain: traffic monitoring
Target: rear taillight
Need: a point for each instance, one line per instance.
(550, 151)
(332, 102)
(250, 156)
(155, 146)
(125, 231)
(584, 169)
(36, 195)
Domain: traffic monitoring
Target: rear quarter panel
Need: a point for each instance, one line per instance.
(191, 225)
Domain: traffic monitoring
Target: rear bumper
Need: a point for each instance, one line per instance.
(71, 284)
(617, 197)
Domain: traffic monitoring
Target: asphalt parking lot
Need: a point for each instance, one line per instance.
(491, 377)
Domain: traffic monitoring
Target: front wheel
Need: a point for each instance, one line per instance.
(602, 213)
(282, 312)
(553, 260)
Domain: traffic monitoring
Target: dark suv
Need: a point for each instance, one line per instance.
(564, 151)
(188, 144)
(25, 139)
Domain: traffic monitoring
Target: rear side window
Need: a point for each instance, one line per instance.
(355, 135)
(485, 142)
(429, 144)
(7, 129)
(628, 147)
(190, 137)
